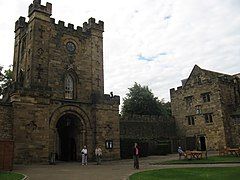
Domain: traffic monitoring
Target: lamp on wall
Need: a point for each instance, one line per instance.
(109, 144)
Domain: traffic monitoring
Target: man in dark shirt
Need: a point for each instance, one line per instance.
(136, 156)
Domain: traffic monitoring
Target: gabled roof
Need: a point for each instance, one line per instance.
(210, 73)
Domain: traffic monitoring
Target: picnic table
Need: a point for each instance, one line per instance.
(234, 151)
(194, 154)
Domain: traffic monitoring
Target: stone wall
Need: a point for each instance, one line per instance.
(146, 127)
(107, 128)
(35, 126)
(6, 120)
(230, 101)
(235, 131)
(154, 134)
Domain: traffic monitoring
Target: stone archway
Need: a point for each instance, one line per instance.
(69, 137)
(69, 130)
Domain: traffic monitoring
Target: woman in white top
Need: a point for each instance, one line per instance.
(84, 155)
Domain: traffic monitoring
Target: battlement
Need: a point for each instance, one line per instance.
(20, 23)
(98, 98)
(91, 24)
(146, 118)
(172, 90)
(111, 99)
(179, 87)
(36, 6)
(79, 30)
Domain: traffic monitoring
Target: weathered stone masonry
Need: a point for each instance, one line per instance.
(6, 121)
(57, 97)
(203, 109)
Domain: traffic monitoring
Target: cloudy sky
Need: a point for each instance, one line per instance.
(151, 42)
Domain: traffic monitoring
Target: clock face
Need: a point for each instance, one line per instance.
(70, 46)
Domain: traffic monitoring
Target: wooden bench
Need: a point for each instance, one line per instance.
(234, 151)
(196, 154)
(228, 150)
(193, 155)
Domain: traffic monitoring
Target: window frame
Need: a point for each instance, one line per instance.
(208, 118)
(68, 88)
(206, 97)
(191, 120)
(189, 101)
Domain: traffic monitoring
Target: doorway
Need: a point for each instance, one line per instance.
(68, 128)
(202, 140)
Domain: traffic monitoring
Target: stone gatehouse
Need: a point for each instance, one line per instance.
(56, 103)
(207, 110)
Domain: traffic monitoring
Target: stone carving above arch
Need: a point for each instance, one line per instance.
(69, 109)
(30, 128)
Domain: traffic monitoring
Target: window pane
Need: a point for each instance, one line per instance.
(193, 122)
(206, 97)
(190, 120)
(68, 87)
(208, 118)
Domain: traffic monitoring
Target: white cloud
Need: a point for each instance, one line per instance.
(196, 32)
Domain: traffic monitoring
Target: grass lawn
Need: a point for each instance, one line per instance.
(228, 173)
(10, 176)
(209, 160)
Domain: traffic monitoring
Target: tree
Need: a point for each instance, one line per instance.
(5, 78)
(140, 100)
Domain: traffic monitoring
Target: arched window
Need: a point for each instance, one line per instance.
(68, 87)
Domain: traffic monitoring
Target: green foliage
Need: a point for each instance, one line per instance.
(204, 173)
(140, 100)
(5, 78)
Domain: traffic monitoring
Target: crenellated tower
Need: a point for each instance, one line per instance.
(57, 96)
(45, 52)
(31, 52)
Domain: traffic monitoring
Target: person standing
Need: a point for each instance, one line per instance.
(136, 156)
(181, 152)
(98, 153)
(84, 155)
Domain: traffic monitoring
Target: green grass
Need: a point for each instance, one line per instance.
(209, 160)
(10, 176)
(225, 173)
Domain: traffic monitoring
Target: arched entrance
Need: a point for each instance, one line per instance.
(69, 125)
(69, 137)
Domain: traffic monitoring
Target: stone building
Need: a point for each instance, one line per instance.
(56, 103)
(206, 110)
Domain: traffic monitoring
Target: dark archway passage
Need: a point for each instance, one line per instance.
(69, 130)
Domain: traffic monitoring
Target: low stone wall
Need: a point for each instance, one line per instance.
(146, 127)
(154, 134)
